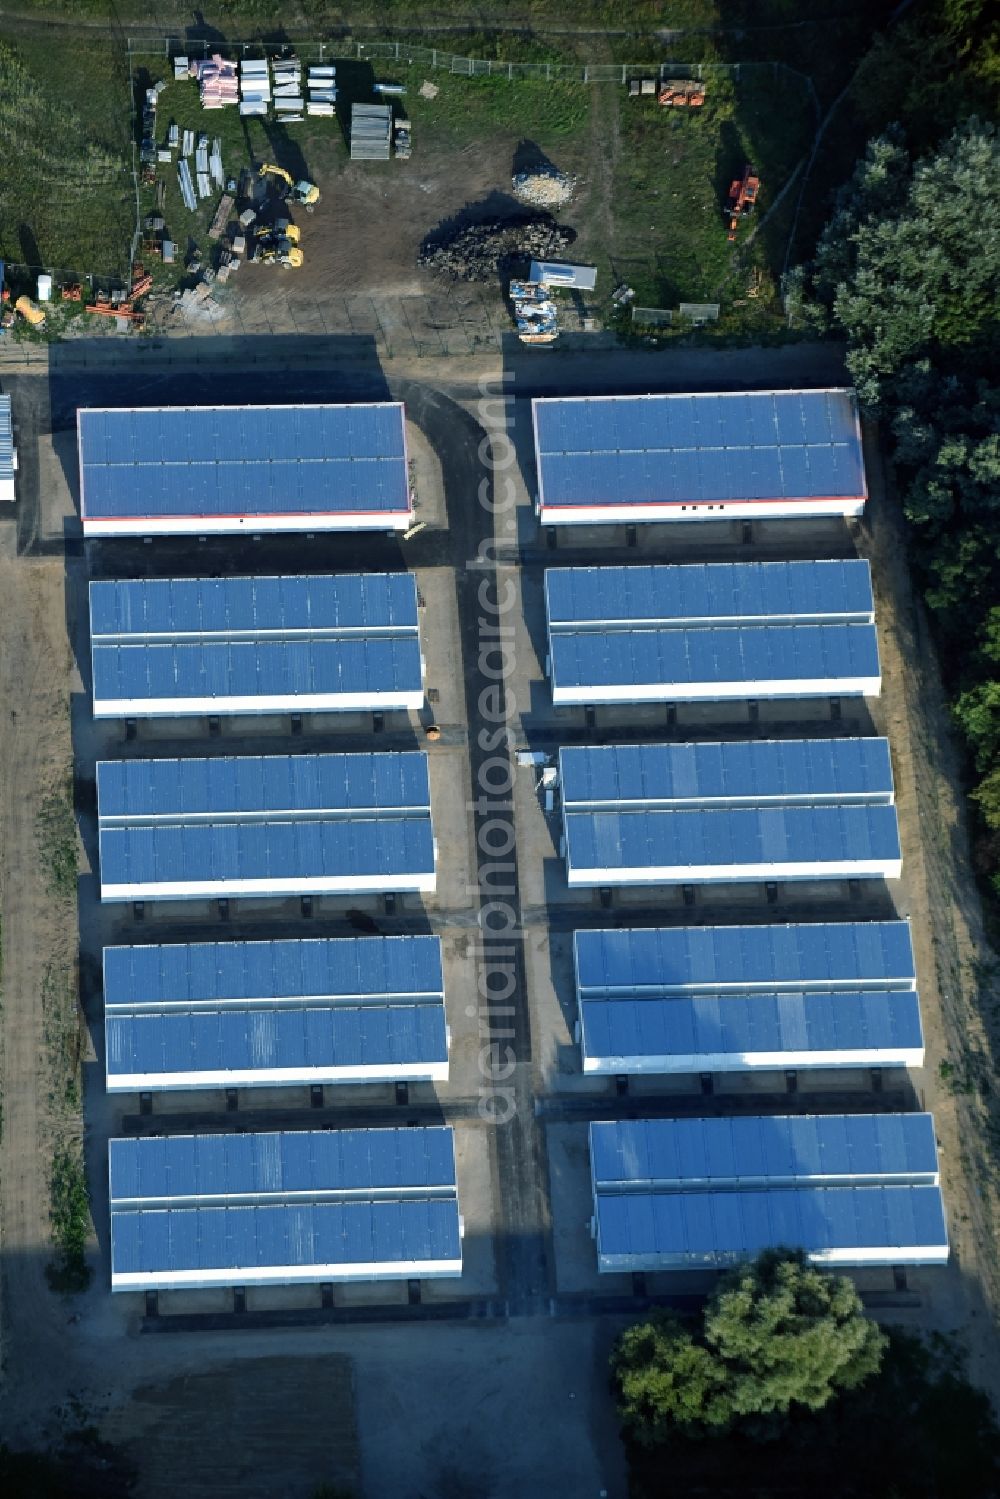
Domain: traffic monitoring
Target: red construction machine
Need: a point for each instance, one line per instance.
(742, 199)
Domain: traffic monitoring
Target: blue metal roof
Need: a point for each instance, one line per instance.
(279, 819)
(310, 1163)
(835, 836)
(826, 955)
(717, 592)
(7, 468)
(216, 973)
(143, 609)
(791, 654)
(808, 770)
(230, 1006)
(718, 1228)
(241, 1239)
(258, 784)
(301, 1039)
(790, 1150)
(243, 460)
(213, 853)
(743, 1025)
(255, 669)
(706, 448)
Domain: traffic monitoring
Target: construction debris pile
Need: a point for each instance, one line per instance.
(479, 252)
(545, 187)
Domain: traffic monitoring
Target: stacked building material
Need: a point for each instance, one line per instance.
(187, 145)
(371, 130)
(215, 163)
(217, 82)
(288, 99)
(182, 68)
(186, 185)
(322, 90)
(255, 86)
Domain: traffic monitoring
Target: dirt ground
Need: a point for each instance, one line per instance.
(38, 934)
(367, 281)
(957, 970)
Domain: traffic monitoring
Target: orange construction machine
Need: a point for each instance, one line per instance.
(742, 199)
(125, 307)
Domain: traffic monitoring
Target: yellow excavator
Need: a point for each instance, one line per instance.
(304, 193)
(278, 245)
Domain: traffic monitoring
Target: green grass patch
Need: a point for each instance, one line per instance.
(57, 838)
(65, 168)
(668, 238)
(69, 1272)
(548, 112)
(63, 1033)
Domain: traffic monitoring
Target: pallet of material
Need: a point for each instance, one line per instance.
(215, 164)
(317, 70)
(320, 109)
(221, 219)
(204, 185)
(186, 185)
(290, 119)
(323, 95)
(217, 82)
(182, 68)
(188, 144)
(201, 160)
(293, 104)
(253, 107)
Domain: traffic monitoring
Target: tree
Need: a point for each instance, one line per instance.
(776, 1335)
(789, 1333)
(908, 261)
(665, 1380)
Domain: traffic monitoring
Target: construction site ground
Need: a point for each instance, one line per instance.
(497, 1387)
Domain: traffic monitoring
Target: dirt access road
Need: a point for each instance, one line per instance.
(38, 932)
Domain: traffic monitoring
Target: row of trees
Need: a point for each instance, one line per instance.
(909, 270)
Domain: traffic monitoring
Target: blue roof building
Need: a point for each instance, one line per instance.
(721, 631)
(658, 814)
(174, 470)
(849, 1190)
(183, 646)
(263, 1014)
(710, 456)
(740, 999)
(279, 1209)
(265, 826)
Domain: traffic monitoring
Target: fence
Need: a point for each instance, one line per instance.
(410, 54)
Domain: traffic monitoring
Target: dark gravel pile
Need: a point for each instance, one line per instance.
(480, 252)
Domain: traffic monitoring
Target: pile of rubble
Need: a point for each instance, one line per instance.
(545, 187)
(479, 252)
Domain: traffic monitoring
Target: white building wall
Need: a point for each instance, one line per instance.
(167, 1082)
(316, 702)
(694, 692)
(610, 515)
(246, 525)
(718, 874)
